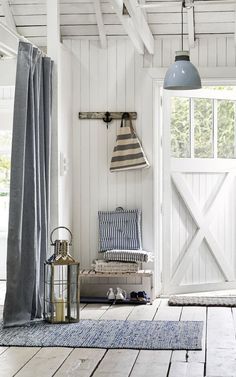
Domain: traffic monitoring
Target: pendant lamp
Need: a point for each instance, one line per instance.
(182, 75)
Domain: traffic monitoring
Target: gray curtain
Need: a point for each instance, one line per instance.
(29, 189)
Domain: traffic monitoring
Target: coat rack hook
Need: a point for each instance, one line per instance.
(107, 118)
(125, 116)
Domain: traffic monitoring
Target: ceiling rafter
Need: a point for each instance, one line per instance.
(128, 25)
(101, 28)
(140, 24)
(9, 41)
(8, 15)
(143, 2)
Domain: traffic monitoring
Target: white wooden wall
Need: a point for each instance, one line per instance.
(7, 72)
(116, 79)
(209, 51)
(113, 80)
(65, 137)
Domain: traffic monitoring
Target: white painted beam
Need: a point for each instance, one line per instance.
(53, 50)
(8, 41)
(140, 24)
(53, 28)
(128, 25)
(143, 2)
(8, 15)
(101, 29)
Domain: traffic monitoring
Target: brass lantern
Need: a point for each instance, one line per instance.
(61, 283)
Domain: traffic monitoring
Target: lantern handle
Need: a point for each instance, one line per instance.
(60, 227)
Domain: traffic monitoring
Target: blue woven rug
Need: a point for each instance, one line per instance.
(148, 335)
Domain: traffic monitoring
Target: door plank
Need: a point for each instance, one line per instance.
(14, 359)
(45, 363)
(203, 231)
(117, 363)
(151, 364)
(81, 362)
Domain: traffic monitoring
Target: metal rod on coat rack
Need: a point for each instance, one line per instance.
(107, 116)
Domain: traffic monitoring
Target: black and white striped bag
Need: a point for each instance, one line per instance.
(128, 153)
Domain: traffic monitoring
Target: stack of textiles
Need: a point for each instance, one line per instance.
(120, 240)
(116, 261)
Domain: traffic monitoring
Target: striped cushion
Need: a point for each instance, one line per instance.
(127, 255)
(120, 230)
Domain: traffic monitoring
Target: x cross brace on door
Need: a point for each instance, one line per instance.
(202, 221)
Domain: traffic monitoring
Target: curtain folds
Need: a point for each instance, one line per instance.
(29, 189)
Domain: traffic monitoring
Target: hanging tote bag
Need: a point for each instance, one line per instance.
(128, 153)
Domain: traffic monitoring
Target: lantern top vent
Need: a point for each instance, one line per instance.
(61, 253)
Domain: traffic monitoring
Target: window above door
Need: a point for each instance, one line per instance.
(203, 124)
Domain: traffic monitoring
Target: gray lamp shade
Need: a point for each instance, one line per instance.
(182, 75)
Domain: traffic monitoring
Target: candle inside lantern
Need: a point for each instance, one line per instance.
(60, 312)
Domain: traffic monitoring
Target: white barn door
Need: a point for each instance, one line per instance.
(199, 191)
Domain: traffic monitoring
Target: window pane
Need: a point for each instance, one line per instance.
(180, 127)
(4, 174)
(226, 129)
(203, 128)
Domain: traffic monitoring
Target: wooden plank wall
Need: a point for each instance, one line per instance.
(209, 51)
(110, 79)
(116, 79)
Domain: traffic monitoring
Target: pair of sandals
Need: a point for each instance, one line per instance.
(138, 296)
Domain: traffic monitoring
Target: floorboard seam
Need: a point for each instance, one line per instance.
(97, 365)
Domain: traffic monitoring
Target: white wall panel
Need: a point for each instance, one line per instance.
(113, 80)
(65, 138)
(209, 51)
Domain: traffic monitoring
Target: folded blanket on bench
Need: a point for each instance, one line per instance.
(127, 255)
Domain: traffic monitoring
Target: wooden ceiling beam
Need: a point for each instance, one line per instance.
(128, 25)
(140, 24)
(101, 28)
(8, 41)
(8, 15)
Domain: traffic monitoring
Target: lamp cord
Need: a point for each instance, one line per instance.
(182, 24)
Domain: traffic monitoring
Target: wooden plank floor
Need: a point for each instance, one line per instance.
(217, 358)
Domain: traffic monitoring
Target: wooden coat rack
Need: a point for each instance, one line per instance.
(107, 116)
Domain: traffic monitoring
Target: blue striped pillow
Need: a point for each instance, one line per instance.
(120, 230)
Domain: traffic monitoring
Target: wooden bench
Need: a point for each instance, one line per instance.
(143, 274)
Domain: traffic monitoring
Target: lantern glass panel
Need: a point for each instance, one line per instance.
(62, 292)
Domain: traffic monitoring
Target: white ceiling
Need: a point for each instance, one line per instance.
(78, 19)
